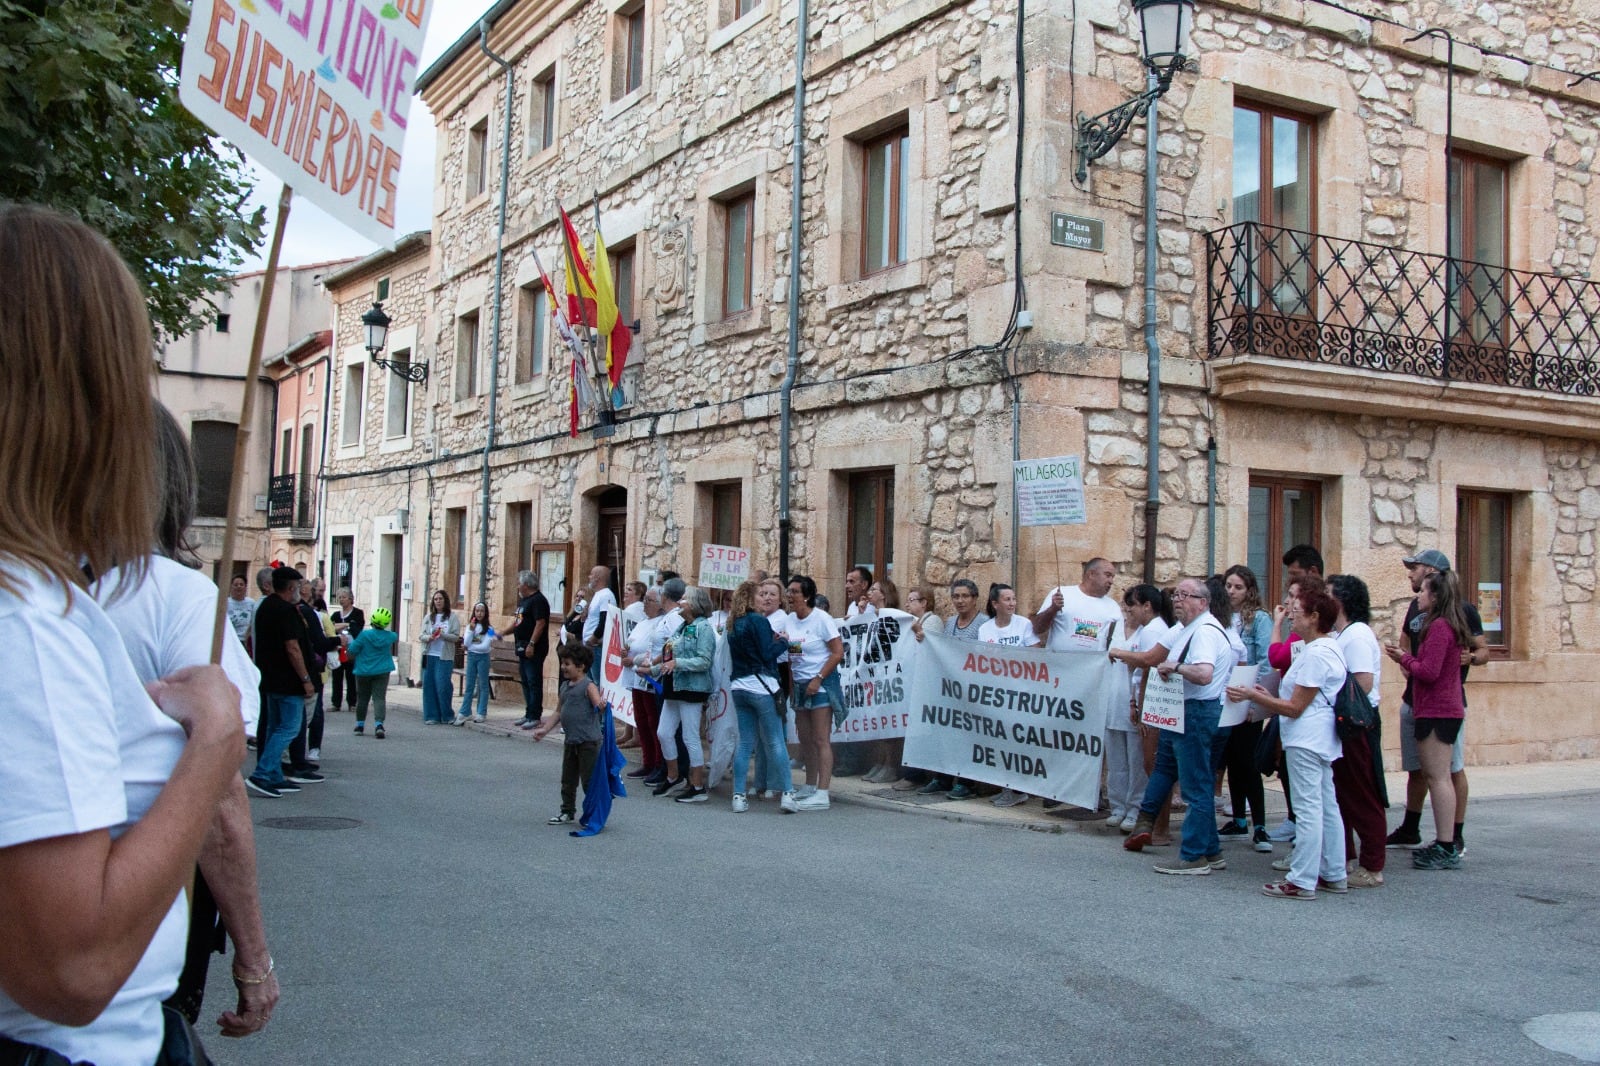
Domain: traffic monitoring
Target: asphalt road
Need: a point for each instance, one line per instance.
(453, 926)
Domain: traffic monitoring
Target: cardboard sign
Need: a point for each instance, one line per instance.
(1163, 702)
(1049, 491)
(315, 91)
(723, 566)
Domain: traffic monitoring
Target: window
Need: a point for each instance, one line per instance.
(224, 320)
(730, 11)
(533, 316)
(1478, 235)
(542, 112)
(727, 500)
(1283, 512)
(455, 555)
(303, 483)
(518, 554)
(622, 272)
(286, 453)
(1273, 182)
(478, 159)
(397, 398)
(627, 63)
(355, 402)
(466, 372)
(343, 570)
(212, 443)
(382, 292)
(738, 245)
(885, 183)
(1483, 554)
(871, 533)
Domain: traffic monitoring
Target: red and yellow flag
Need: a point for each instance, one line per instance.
(608, 316)
(580, 278)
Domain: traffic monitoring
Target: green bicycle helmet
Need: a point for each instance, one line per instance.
(381, 617)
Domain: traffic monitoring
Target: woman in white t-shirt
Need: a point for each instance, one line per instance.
(1310, 747)
(1006, 627)
(441, 632)
(107, 790)
(815, 652)
(1358, 777)
(646, 691)
(769, 778)
(1149, 620)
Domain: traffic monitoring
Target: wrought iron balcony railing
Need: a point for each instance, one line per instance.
(1304, 296)
(291, 503)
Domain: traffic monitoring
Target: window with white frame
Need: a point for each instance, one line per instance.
(477, 161)
(397, 398)
(542, 111)
(628, 49)
(467, 344)
(355, 402)
(533, 317)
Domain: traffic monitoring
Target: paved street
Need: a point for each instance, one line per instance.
(452, 925)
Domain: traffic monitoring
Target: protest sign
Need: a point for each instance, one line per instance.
(875, 677)
(723, 566)
(1163, 702)
(1019, 717)
(315, 91)
(1233, 713)
(616, 680)
(1049, 491)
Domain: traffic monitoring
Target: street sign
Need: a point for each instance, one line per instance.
(1075, 231)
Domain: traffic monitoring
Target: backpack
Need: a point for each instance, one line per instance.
(1353, 713)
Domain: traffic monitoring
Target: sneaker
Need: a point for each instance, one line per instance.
(286, 786)
(654, 778)
(1338, 888)
(1284, 833)
(460, 719)
(305, 777)
(1223, 807)
(905, 784)
(1130, 820)
(692, 795)
(1400, 838)
(767, 794)
(314, 755)
(932, 788)
(564, 818)
(1049, 805)
(528, 723)
(817, 801)
(361, 728)
(1008, 798)
(480, 719)
(1114, 821)
(1139, 836)
(1281, 865)
(788, 804)
(1217, 862)
(1234, 829)
(377, 734)
(740, 804)
(1184, 867)
(961, 791)
(640, 772)
(1361, 877)
(263, 788)
(1436, 856)
(1287, 890)
(1263, 842)
(804, 790)
(666, 786)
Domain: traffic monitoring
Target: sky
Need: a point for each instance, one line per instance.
(314, 236)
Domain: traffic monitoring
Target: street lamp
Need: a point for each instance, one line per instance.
(377, 326)
(1164, 41)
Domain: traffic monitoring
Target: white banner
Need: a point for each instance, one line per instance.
(1163, 702)
(875, 677)
(1023, 718)
(1049, 491)
(316, 91)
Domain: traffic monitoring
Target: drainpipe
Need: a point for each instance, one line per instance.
(1211, 505)
(1152, 477)
(494, 342)
(786, 389)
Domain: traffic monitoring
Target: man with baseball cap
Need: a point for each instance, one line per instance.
(1418, 568)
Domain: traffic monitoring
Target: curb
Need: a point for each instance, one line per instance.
(967, 817)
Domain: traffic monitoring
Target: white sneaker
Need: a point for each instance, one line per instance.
(1116, 819)
(805, 790)
(788, 804)
(765, 794)
(740, 805)
(1283, 834)
(1281, 865)
(816, 801)
(314, 755)
(1130, 820)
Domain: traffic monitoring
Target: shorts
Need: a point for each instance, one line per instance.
(1450, 730)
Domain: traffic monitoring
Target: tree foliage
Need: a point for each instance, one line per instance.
(90, 124)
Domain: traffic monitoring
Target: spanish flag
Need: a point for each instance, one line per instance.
(608, 316)
(580, 279)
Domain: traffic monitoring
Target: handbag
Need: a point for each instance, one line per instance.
(1267, 748)
(1353, 713)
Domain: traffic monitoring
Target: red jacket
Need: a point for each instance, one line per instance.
(1436, 674)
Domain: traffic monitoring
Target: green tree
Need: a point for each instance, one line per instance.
(90, 124)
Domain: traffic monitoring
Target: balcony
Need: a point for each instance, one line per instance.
(1363, 321)
(291, 506)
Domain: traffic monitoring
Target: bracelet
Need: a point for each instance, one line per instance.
(255, 980)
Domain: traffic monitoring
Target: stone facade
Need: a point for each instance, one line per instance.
(893, 374)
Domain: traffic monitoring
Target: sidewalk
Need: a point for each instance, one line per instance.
(1489, 783)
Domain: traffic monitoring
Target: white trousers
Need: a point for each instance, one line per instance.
(674, 713)
(1125, 776)
(1318, 829)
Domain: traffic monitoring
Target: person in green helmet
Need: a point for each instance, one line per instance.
(371, 663)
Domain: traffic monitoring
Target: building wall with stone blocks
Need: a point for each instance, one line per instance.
(892, 375)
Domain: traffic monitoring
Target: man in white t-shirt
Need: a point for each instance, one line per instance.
(857, 582)
(1080, 618)
(1203, 657)
(241, 608)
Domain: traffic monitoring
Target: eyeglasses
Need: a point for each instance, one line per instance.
(1191, 595)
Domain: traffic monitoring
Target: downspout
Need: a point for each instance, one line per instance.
(322, 460)
(1152, 346)
(494, 342)
(1211, 505)
(796, 203)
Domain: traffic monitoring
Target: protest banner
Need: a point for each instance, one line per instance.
(878, 655)
(1233, 713)
(1163, 702)
(723, 566)
(1049, 491)
(616, 680)
(722, 725)
(1022, 718)
(316, 91)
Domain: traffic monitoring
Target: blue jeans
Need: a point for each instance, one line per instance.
(436, 695)
(1185, 758)
(531, 674)
(286, 714)
(758, 719)
(477, 682)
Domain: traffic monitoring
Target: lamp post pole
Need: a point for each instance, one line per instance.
(1152, 343)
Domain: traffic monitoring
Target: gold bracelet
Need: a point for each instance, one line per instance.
(255, 980)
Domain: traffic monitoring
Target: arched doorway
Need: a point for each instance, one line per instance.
(611, 534)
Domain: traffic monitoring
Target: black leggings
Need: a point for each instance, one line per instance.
(1244, 780)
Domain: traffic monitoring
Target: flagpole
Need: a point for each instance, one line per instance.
(241, 440)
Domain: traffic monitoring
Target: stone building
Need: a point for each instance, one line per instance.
(1318, 383)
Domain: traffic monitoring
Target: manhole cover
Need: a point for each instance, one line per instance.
(309, 822)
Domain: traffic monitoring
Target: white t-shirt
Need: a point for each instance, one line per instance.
(85, 749)
(1211, 645)
(1318, 666)
(603, 601)
(166, 625)
(1083, 622)
(634, 612)
(808, 643)
(855, 611)
(779, 620)
(447, 624)
(638, 648)
(241, 613)
(1018, 634)
(1363, 654)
